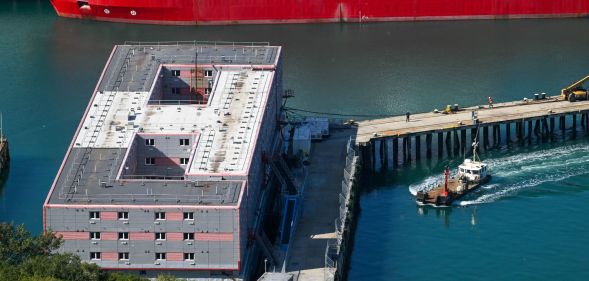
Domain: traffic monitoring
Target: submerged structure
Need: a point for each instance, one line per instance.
(192, 12)
(167, 169)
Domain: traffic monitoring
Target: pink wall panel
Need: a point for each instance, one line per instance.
(108, 216)
(109, 256)
(175, 256)
(175, 236)
(174, 216)
(218, 236)
(109, 236)
(73, 235)
(145, 236)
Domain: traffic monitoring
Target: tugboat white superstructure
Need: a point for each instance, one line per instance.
(471, 174)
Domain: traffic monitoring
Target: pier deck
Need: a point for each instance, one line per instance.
(321, 208)
(424, 123)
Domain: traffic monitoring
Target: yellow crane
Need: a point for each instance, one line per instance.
(575, 91)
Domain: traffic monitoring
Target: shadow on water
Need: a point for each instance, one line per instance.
(4, 178)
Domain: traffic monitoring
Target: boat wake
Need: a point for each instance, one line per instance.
(515, 173)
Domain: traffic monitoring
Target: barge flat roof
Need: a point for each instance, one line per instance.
(227, 126)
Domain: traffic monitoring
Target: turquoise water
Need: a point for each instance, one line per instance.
(528, 224)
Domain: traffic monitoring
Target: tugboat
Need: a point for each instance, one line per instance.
(471, 175)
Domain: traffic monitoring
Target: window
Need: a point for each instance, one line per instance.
(184, 142)
(207, 91)
(95, 255)
(160, 236)
(160, 256)
(123, 235)
(149, 161)
(94, 215)
(124, 256)
(188, 236)
(149, 142)
(176, 73)
(175, 90)
(188, 215)
(160, 215)
(208, 73)
(95, 235)
(188, 256)
(184, 161)
(123, 215)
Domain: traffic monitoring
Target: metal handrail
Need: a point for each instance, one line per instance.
(194, 42)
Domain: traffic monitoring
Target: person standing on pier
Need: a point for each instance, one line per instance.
(407, 115)
(490, 100)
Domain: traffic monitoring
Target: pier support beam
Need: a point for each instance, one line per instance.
(520, 131)
(449, 143)
(545, 131)
(574, 125)
(456, 143)
(496, 135)
(417, 147)
(562, 125)
(384, 155)
(537, 129)
(395, 151)
(440, 145)
(463, 140)
(372, 147)
(486, 137)
(507, 133)
(428, 146)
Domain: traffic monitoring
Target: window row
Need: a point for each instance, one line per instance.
(207, 73)
(178, 91)
(151, 142)
(124, 256)
(188, 236)
(95, 215)
(151, 161)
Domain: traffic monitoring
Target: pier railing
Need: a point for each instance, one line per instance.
(195, 42)
(335, 249)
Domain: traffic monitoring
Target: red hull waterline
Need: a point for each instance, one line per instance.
(208, 12)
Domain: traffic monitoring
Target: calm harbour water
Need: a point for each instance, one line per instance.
(529, 224)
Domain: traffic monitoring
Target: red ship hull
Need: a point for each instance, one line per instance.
(197, 12)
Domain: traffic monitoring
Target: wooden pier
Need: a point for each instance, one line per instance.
(395, 139)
